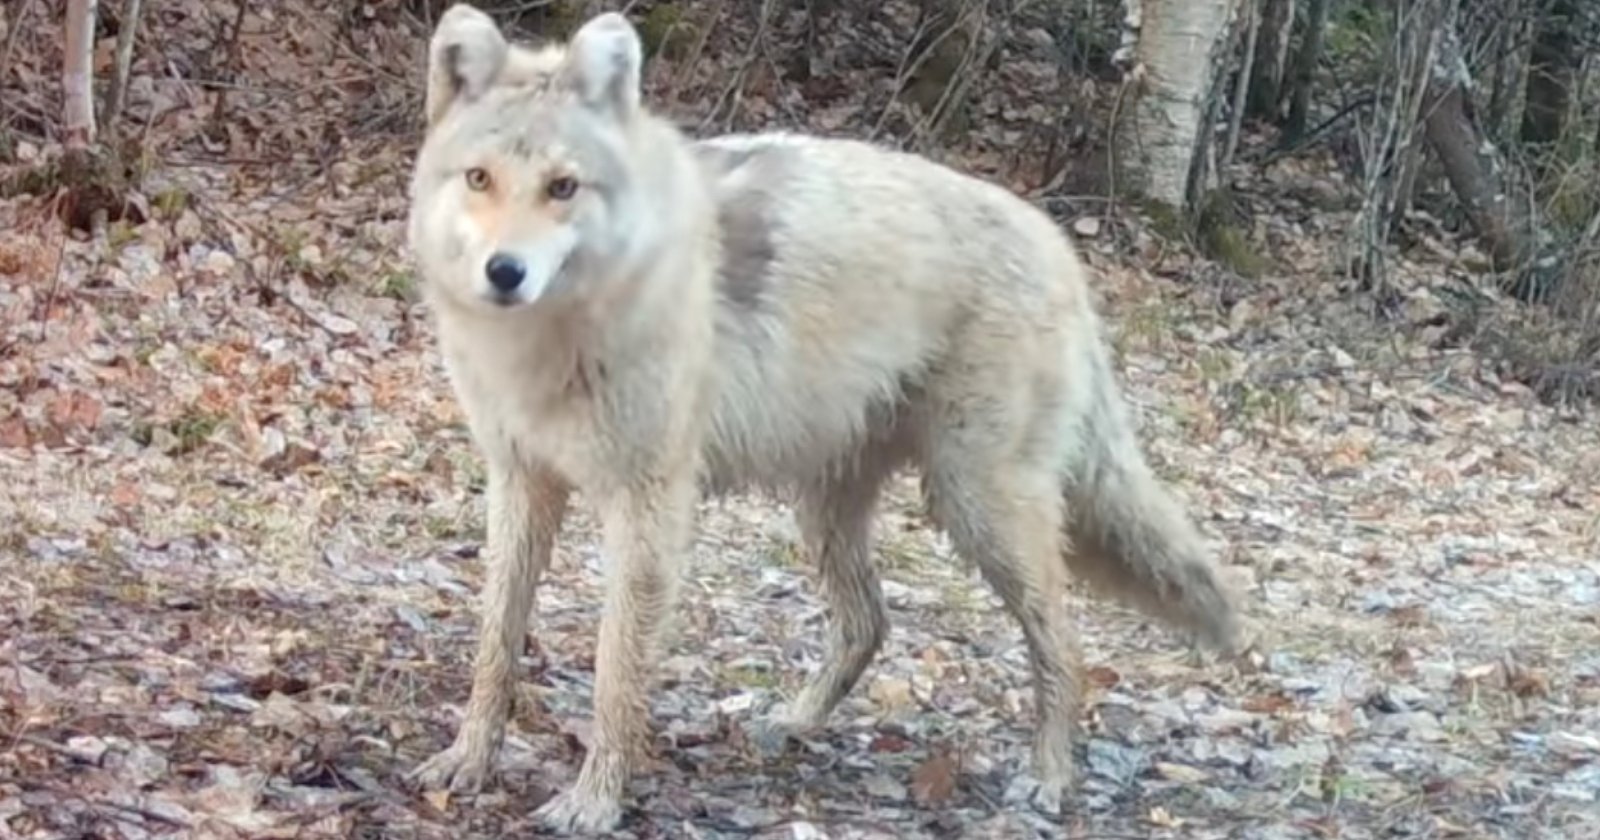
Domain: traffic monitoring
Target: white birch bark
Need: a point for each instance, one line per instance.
(77, 74)
(1159, 126)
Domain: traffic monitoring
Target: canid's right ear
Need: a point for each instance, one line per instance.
(464, 56)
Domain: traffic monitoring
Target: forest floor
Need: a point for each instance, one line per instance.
(243, 521)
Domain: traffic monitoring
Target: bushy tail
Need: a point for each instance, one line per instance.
(1127, 535)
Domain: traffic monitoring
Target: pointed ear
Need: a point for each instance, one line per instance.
(604, 59)
(464, 56)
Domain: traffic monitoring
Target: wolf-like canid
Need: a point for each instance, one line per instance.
(645, 319)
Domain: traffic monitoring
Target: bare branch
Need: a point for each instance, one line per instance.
(119, 79)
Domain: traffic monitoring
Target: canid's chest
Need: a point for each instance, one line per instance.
(523, 405)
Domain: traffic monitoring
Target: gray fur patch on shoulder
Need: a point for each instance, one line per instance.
(747, 181)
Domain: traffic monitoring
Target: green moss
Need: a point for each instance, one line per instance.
(181, 436)
(399, 285)
(1221, 239)
(119, 234)
(41, 179)
(1166, 221)
(169, 203)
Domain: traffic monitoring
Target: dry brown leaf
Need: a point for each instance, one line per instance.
(934, 780)
(439, 799)
(1267, 703)
(73, 410)
(1103, 676)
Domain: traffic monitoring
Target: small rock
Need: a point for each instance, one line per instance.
(142, 766)
(1086, 226)
(87, 748)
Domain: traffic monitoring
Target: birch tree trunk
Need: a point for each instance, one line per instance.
(77, 75)
(1159, 130)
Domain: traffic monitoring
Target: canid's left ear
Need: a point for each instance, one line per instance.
(464, 56)
(604, 60)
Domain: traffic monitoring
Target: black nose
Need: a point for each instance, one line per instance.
(505, 272)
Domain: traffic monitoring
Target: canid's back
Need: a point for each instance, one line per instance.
(848, 270)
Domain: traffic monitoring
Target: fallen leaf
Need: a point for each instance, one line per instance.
(1181, 773)
(439, 799)
(934, 780)
(890, 692)
(1267, 703)
(14, 433)
(889, 742)
(1160, 816)
(1103, 676)
(72, 411)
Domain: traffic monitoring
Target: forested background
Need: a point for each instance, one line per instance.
(1348, 250)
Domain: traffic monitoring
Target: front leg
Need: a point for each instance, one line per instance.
(646, 529)
(525, 512)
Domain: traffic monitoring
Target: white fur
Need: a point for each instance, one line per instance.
(879, 311)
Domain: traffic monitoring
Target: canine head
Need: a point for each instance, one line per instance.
(522, 185)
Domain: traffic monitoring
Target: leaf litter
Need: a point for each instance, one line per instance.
(236, 589)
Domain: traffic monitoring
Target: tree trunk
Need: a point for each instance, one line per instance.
(1305, 70)
(1272, 56)
(1502, 220)
(77, 75)
(1551, 68)
(1159, 124)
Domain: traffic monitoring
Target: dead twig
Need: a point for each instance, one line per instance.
(235, 59)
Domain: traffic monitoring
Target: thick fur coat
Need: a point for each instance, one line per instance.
(645, 319)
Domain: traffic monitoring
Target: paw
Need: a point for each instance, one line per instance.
(460, 768)
(577, 810)
(1049, 797)
(771, 732)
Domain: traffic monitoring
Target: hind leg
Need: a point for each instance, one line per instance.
(835, 518)
(1004, 515)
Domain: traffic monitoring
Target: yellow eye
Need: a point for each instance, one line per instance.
(477, 179)
(562, 188)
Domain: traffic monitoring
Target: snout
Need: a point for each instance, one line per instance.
(521, 272)
(505, 272)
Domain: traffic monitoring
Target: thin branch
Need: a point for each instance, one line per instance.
(119, 79)
(1241, 90)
